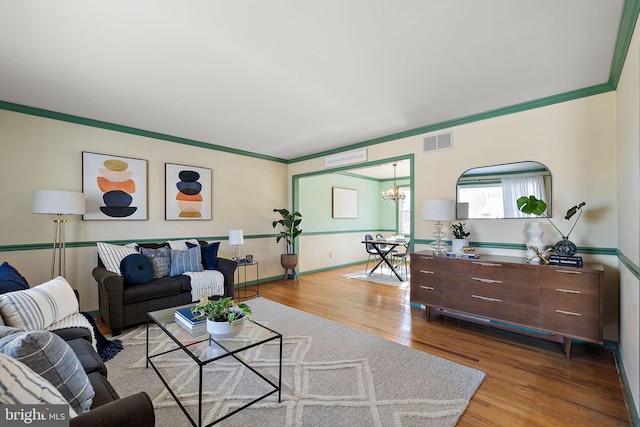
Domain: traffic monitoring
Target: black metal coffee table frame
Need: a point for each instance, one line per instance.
(202, 363)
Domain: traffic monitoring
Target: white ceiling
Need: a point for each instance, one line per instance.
(293, 78)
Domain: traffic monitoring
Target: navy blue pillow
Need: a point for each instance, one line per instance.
(10, 279)
(137, 269)
(210, 255)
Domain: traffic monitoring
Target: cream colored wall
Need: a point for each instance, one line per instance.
(575, 140)
(628, 113)
(40, 153)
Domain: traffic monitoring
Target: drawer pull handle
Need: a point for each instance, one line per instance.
(568, 313)
(568, 271)
(486, 298)
(426, 272)
(429, 288)
(486, 280)
(567, 291)
(487, 264)
(426, 257)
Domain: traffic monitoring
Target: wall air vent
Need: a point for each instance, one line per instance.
(441, 141)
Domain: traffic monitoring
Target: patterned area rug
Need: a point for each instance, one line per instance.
(385, 277)
(332, 376)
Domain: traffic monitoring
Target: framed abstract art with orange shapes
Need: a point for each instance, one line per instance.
(187, 192)
(115, 188)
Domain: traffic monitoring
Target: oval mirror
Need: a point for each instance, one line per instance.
(490, 192)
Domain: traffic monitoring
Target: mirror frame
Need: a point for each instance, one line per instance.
(496, 172)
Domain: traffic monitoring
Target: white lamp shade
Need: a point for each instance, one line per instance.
(236, 237)
(58, 202)
(438, 210)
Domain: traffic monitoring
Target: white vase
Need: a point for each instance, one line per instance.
(225, 329)
(458, 244)
(535, 233)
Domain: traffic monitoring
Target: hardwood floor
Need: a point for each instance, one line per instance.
(528, 380)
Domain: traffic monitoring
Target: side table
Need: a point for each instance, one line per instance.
(246, 293)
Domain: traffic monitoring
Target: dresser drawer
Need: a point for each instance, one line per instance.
(571, 323)
(433, 263)
(506, 290)
(492, 307)
(573, 279)
(426, 294)
(581, 302)
(506, 272)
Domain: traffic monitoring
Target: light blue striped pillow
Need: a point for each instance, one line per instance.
(20, 385)
(40, 306)
(50, 356)
(183, 261)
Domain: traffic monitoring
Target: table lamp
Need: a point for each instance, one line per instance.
(58, 203)
(438, 210)
(236, 239)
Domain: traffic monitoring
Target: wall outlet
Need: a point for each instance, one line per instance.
(330, 254)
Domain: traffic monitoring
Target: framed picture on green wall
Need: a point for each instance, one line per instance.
(344, 203)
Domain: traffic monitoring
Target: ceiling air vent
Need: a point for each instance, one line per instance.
(442, 141)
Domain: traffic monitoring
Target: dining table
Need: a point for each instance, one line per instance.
(385, 249)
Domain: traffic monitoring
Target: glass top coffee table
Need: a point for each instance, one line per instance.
(203, 350)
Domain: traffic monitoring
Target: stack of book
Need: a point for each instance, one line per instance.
(468, 255)
(569, 261)
(184, 318)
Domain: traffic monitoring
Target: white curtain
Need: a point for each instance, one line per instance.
(514, 188)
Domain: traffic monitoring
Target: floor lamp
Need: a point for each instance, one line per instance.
(438, 210)
(236, 239)
(58, 203)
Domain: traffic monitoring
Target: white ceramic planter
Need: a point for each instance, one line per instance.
(224, 329)
(458, 244)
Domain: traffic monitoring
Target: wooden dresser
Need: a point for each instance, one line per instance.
(552, 302)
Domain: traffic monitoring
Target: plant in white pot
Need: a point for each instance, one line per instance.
(290, 223)
(460, 235)
(224, 317)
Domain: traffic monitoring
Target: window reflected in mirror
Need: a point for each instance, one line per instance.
(490, 192)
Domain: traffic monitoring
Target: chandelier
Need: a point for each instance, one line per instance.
(393, 193)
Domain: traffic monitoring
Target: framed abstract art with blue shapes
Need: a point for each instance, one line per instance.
(187, 192)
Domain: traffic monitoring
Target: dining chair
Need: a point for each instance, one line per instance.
(384, 248)
(371, 251)
(400, 259)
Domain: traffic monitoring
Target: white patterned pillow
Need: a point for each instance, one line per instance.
(40, 306)
(20, 385)
(181, 245)
(112, 255)
(50, 356)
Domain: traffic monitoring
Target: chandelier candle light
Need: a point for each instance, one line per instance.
(236, 239)
(393, 193)
(438, 210)
(58, 203)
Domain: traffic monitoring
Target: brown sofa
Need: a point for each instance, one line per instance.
(123, 305)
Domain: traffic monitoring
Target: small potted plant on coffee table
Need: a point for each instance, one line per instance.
(224, 317)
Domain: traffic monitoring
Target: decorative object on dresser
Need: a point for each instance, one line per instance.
(557, 303)
(58, 203)
(534, 206)
(438, 210)
(535, 245)
(460, 239)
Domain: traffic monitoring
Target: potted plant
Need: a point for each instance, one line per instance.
(290, 223)
(224, 317)
(534, 206)
(460, 235)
